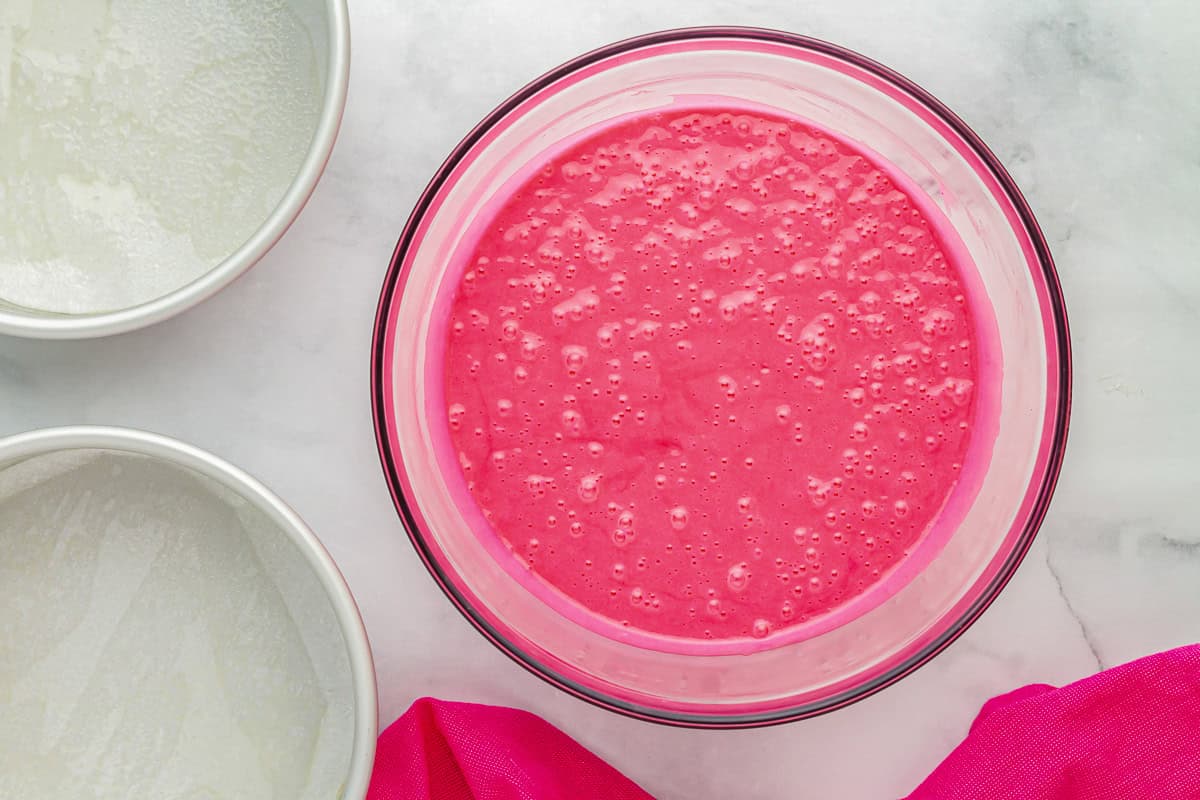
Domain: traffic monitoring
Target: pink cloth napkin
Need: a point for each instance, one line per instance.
(1130, 733)
(460, 751)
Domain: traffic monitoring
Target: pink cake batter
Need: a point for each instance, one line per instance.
(712, 374)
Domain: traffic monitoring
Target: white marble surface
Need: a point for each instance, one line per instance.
(1093, 106)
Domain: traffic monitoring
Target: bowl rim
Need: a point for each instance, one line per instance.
(1057, 434)
(44, 325)
(128, 440)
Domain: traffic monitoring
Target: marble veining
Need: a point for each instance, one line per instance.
(1083, 628)
(1092, 106)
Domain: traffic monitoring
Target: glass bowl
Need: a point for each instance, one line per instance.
(936, 593)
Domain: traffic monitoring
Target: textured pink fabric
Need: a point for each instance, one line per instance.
(1130, 733)
(459, 751)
